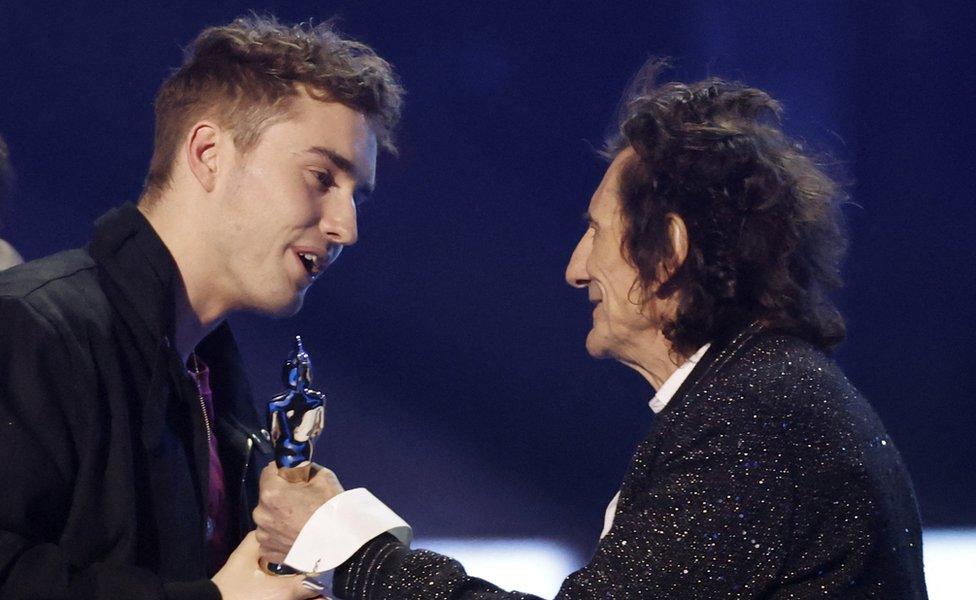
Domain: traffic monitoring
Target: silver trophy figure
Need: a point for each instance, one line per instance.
(295, 417)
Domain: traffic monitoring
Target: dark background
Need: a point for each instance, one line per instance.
(451, 347)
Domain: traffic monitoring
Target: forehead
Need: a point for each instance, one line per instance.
(310, 123)
(606, 199)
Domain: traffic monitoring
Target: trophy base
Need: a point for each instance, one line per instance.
(284, 570)
(278, 569)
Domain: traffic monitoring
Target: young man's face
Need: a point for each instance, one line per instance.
(286, 208)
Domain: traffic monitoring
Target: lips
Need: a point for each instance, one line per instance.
(595, 302)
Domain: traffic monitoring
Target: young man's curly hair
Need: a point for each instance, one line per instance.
(763, 218)
(244, 75)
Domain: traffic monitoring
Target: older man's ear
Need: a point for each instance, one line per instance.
(678, 236)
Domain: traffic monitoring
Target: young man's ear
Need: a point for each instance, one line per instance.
(202, 147)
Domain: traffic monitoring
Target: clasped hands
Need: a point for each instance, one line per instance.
(282, 511)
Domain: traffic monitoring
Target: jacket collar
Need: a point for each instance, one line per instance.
(143, 278)
(140, 270)
(721, 351)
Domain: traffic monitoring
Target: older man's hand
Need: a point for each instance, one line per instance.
(284, 508)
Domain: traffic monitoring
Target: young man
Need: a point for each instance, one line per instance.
(712, 245)
(128, 434)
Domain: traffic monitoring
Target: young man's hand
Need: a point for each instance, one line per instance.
(242, 579)
(284, 508)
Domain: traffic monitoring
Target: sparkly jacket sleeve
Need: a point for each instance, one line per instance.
(710, 524)
(768, 478)
(386, 569)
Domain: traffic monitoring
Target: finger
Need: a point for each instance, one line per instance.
(269, 491)
(263, 537)
(261, 517)
(269, 470)
(325, 479)
(272, 549)
(306, 589)
(274, 556)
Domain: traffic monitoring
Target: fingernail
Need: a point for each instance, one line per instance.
(312, 586)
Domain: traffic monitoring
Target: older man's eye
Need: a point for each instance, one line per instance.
(325, 179)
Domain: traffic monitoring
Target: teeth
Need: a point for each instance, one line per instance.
(311, 262)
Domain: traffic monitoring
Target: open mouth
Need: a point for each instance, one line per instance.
(311, 262)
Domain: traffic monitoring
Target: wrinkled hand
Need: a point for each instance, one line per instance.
(284, 508)
(242, 579)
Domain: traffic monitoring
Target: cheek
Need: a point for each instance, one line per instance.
(623, 309)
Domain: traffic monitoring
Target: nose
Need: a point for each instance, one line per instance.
(338, 222)
(576, 272)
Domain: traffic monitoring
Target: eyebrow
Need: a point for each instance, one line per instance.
(345, 165)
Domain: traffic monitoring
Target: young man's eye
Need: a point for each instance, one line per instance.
(325, 179)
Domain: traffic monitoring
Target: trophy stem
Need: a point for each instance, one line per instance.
(299, 474)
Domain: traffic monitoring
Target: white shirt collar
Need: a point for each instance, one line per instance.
(671, 385)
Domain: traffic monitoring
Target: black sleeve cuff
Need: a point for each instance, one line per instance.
(360, 577)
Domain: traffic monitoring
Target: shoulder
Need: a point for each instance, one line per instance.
(792, 399)
(784, 374)
(53, 297)
(780, 394)
(57, 272)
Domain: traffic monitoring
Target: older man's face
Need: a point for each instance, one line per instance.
(598, 264)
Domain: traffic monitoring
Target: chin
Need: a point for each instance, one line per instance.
(596, 346)
(282, 307)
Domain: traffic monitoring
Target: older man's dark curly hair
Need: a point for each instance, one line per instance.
(764, 226)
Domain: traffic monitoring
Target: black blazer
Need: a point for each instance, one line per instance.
(766, 476)
(104, 451)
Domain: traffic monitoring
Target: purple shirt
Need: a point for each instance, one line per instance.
(216, 507)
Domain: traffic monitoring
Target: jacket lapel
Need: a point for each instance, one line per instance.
(140, 275)
(723, 351)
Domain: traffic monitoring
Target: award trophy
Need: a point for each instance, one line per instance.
(295, 418)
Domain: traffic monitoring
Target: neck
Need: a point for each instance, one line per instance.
(655, 359)
(657, 370)
(198, 312)
(190, 328)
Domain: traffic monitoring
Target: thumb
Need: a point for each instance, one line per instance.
(248, 549)
(249, 543)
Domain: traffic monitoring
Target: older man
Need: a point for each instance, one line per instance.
(127, 430)
(712, 243)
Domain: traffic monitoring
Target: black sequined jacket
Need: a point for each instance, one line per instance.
(102, 438)
(766, 476)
